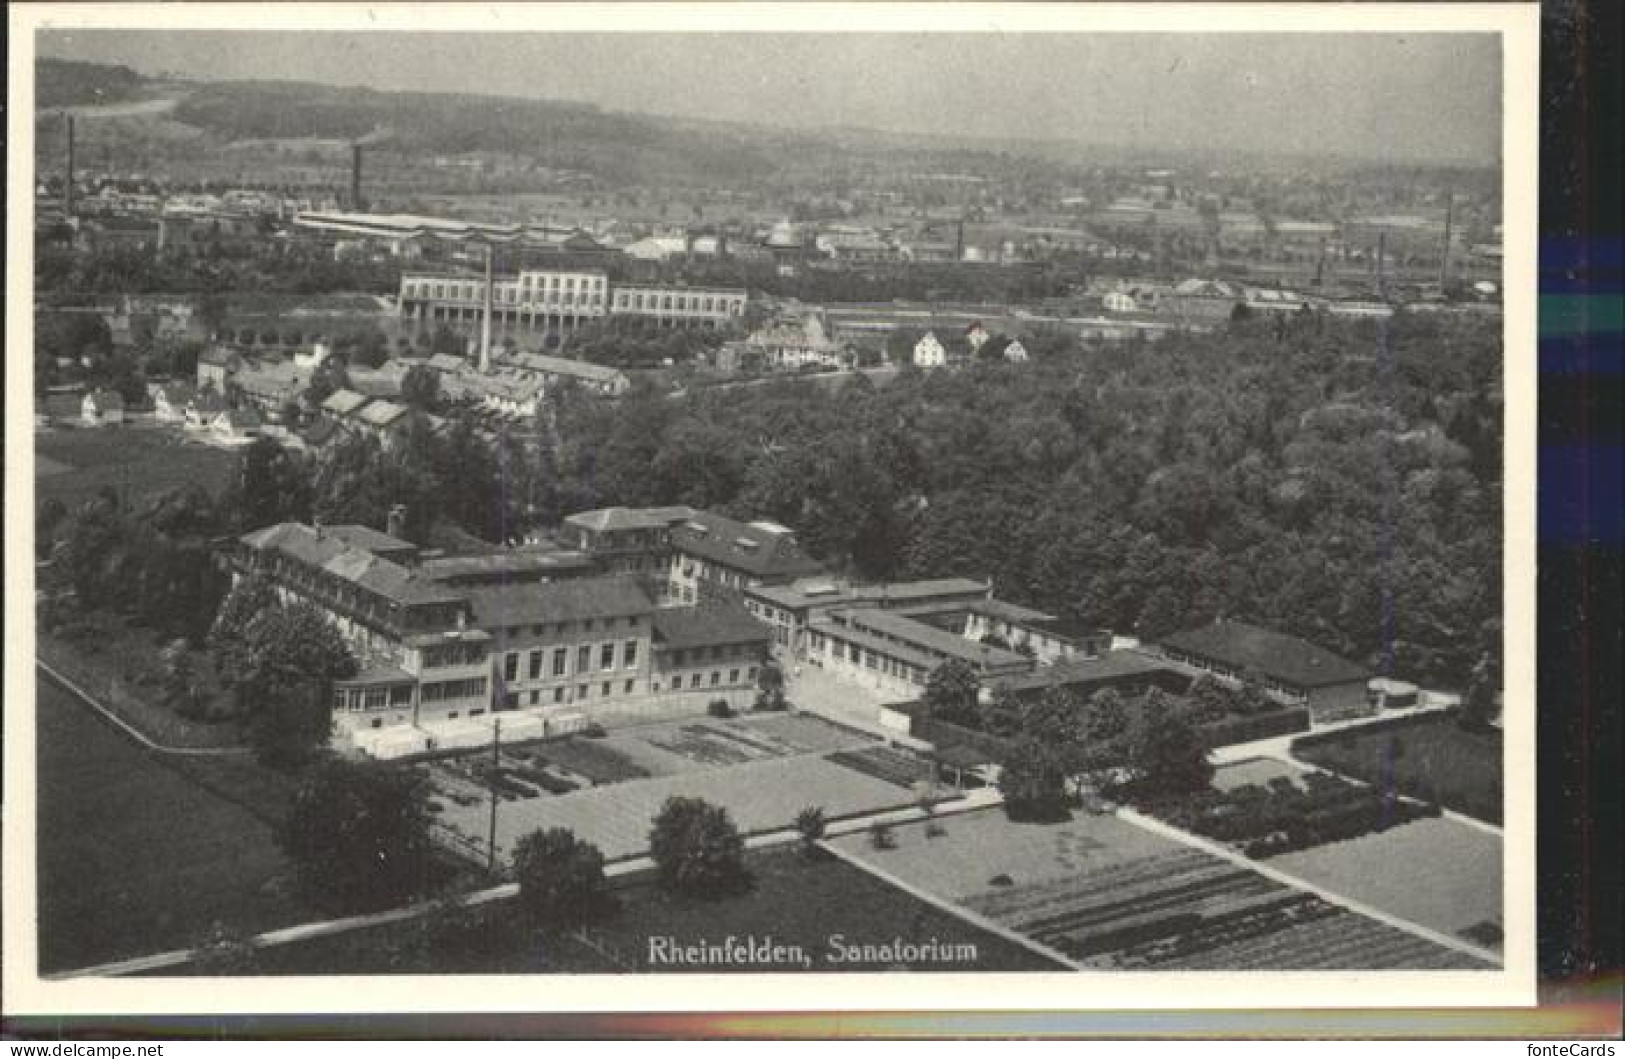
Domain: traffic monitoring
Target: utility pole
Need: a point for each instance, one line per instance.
(1444, 255)
(491, 838)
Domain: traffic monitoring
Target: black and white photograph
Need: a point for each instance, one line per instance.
(893, 498)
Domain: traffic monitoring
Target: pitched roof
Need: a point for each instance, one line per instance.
(343, 560)
(902, 629)
(757, 551)
(679, 628)
(503, 564)
(1113, 665)
(574, 600)
(447, 362)
(370, 540)
(1290, 660)
(108, 399)
(382, 413)
(343, 402)
(606, 519)
(569, 368)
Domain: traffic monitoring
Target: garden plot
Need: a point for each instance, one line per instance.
(902, 767)
(760, 796)
(1111, 895)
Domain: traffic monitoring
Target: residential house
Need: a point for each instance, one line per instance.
(170, 400)
(102, 408)
(204, 406)
(929, 352)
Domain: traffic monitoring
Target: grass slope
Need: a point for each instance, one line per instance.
(133, 856)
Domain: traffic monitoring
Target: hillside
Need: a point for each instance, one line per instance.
(64, 83)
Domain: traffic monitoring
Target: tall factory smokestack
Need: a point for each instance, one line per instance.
(1444, 256)
(485, 317)
(959, 240)
(355, 178)
(67, 183)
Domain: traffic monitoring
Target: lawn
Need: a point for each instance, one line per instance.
(138, 461)
(1433, 758)
(134, 857)
(1439, 873)
(793, 902)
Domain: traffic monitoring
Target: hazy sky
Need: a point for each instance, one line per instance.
(1424, 96)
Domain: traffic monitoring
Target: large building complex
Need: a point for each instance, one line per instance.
(557, 301)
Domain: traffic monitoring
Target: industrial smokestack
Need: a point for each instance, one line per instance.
(1444, 256)
(67, 184)
(355, 178)
(485, 317)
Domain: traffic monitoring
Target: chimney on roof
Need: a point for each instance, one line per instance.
(485, 318)
(397, 522)
(67, 183)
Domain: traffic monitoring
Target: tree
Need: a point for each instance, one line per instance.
(272, 484)
(696, 849)
(810, 823)
(1165, 751)
(951, 693)
(561, 878)
(770, 686)
(1478, 702)
(289, 659)
(1032, 778)
(420, 387)
(358, 834)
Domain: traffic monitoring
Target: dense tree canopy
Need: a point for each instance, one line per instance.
(561, 877)
(358, 834)
(1314, 476)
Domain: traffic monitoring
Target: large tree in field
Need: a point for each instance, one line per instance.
(358, 834)
(561, 878)
(696, 849)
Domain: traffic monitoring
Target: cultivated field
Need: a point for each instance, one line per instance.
(1111, 895)
(133, 856)
(760, 796)
(138, 461)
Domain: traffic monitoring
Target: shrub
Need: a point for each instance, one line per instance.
(561, 877)
(719, 708)
(881, 837)
(810, 822)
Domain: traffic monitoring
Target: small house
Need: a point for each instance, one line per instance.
(102, 408)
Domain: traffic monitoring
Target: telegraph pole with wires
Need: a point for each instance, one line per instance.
(491, 836)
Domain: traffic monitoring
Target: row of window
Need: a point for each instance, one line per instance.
(568, 628)
(679, 303)
(696, 681)
(870, 659)
(356, 699)
(561, 659)
(458, 654)
(452, 689)
(558, 694)
(716, 653)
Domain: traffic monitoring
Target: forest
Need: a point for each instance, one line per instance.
(1339, 481)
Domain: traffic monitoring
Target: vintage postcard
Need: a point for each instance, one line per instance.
(769, 507)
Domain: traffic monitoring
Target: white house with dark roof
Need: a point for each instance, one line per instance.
(929, 352)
